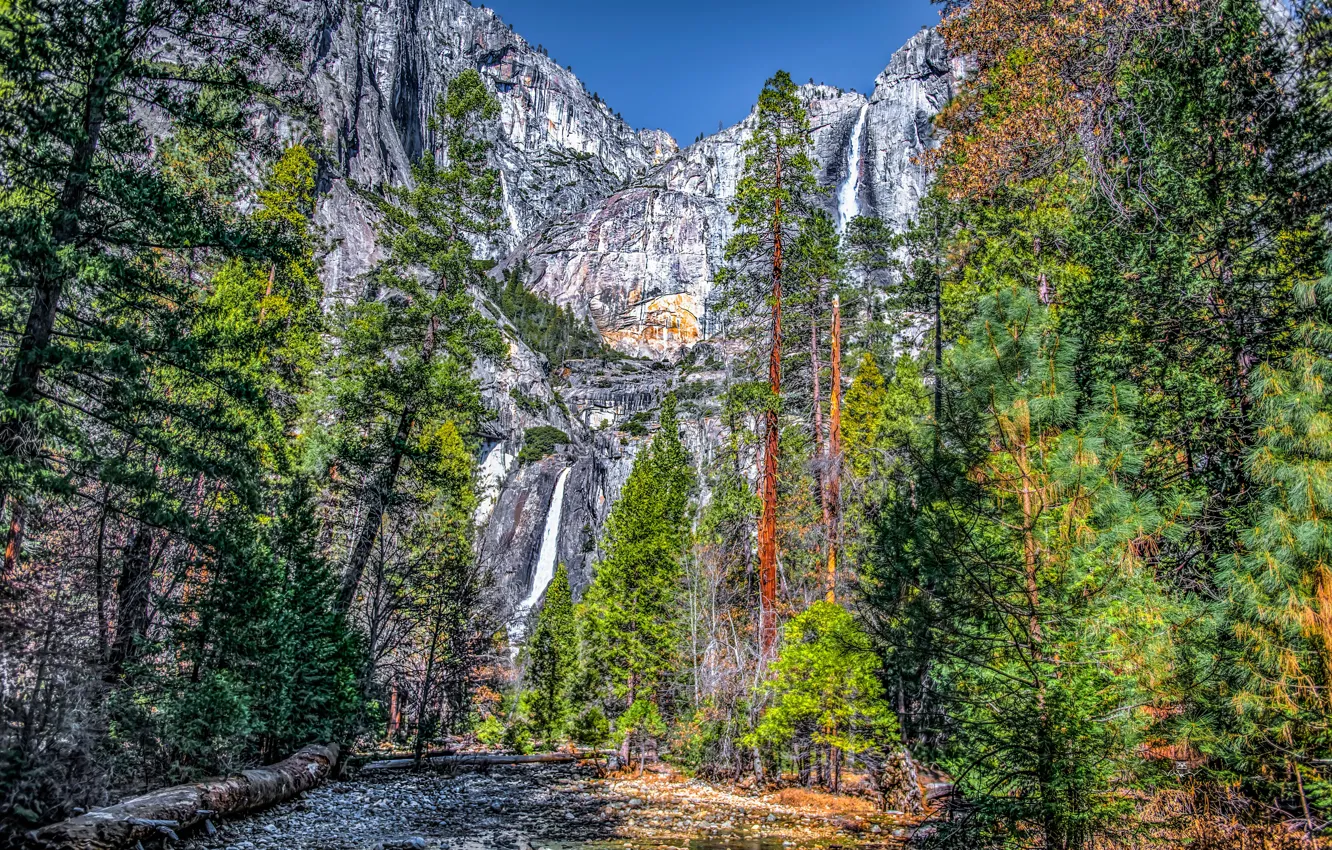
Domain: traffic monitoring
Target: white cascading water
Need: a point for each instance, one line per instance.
(545, 567)
(848, 194)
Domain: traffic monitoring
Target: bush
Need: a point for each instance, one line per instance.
(641, 725)
(527, 403)
(518, 738)
(590, 729)
(636, 426)
(539, 442)
(490, 732)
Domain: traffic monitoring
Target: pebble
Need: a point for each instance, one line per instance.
(408, 811)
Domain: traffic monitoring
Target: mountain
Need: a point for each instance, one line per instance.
(640, 262)
(622, 226)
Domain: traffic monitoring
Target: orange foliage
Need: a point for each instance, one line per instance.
(1041, 74)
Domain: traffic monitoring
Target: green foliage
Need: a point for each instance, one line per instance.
(768, 201)
(640, 725)
(825, 685)
(1280, 587)
(552, 656)
(548, 329)
(590, 728)
(518, 737)
(636, 425)
(527, 403)
(628, 617)
(490, 732)
(404, 353)
(539, 442)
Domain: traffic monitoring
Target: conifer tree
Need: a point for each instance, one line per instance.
(404, 353)
(552, 655)
(1280, 587)
(772, 202)
(629, 623)
(84, 201)
(1049, 550)
(825, 688)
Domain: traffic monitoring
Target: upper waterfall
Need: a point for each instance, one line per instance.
(848, 194)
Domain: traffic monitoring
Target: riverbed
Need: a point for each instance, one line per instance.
(553, 807)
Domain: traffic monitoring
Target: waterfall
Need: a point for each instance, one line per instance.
(545, 566)
(848, 194)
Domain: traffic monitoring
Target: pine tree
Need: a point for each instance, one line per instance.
(83, 200)
(771, 204)
(629, 618)
(422, 313)
(814, 271)
(1065, 622)
(552, 655)
(825, 689)
(1280, 587)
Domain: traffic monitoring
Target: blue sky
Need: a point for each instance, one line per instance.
(685, 65)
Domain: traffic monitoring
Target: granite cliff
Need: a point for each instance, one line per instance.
(621, 225)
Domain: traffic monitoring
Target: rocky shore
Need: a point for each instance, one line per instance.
(531, 807)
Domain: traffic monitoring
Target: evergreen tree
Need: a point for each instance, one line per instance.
(1280, 587)
(771, 204)
(826, 691)
(98, 239)
(552, 655)
(629, 617)
(1035, 592)
(404, 353)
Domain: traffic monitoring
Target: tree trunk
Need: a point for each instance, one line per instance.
(393, 714)
(833, 473)
(181, 807)
(133, 600)
(380, 492)
(768, 523)
(48, 281)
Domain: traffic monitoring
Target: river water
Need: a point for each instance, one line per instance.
(531, 807)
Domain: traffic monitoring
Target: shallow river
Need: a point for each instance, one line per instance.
(544, 807)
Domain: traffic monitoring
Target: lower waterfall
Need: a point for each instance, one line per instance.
(545, 566)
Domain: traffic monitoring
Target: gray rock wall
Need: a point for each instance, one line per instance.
(623, 226)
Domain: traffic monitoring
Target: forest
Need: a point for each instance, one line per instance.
(1035, 494)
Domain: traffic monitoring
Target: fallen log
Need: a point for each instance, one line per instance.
(478, 759)
(168, 811)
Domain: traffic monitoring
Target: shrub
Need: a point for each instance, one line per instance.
(518, 738)
(490, 732)
(590, 729)
(527, 403)
(539, 442)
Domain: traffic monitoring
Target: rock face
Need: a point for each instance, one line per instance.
(378, 68)
(640, 262)
(623, 226)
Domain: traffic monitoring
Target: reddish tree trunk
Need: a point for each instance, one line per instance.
(767, 538)
(833, 469)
